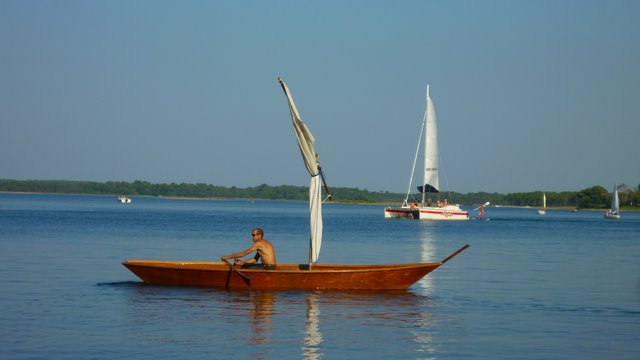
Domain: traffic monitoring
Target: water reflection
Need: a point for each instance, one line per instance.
(312, 335)
(261, 317)
(428, 252)
(263, 324)
(263, 311)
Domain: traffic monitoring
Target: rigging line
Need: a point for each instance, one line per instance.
(446, 181)
(324, 181)
(415, 159)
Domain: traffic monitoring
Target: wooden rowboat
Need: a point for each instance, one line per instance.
(285, 277)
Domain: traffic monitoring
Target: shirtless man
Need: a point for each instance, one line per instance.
(263, 248)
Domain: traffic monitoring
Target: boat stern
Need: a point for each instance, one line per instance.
(401, 213)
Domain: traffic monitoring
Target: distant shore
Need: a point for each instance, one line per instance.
(595, 197)
(341, 202)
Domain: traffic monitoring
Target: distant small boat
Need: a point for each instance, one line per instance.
(124, 199)
(543, 210)
(614, 212)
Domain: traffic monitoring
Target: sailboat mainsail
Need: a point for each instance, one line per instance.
(543, 210)
(615, 202)
(614, 212)
(431, 183)
(306, 144)
(430, 178)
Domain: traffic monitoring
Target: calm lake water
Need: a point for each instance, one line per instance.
(561, 286)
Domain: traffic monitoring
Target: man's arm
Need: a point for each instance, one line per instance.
(240, 254)
(253, 260)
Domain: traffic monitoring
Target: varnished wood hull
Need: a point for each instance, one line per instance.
(285, 277)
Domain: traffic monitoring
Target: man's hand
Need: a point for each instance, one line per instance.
(238, 262)
(224, 258)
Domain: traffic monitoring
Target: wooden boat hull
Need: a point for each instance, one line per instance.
(285, 277)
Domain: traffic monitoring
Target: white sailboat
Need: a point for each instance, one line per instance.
(124, 199)
(614, 212)
(543, 210)
(426, 209)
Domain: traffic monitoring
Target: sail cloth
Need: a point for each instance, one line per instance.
(430, 176)
(427, 189)
(306, 144)
(615, 200)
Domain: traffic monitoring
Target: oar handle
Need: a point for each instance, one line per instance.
(454, 254)
(243, 276)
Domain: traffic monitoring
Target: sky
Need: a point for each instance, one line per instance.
(530, 95)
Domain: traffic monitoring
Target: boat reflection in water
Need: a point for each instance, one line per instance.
(262, 316)
(312, 336)
(263, 324)
(262, 329)
(346, 314)
(428, 252)
(424, 319)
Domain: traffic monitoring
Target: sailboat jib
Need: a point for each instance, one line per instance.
(306, 143)
(426, 209)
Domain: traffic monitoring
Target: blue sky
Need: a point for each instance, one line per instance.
(530, 95)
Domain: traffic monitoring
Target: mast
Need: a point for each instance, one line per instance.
(426, 141)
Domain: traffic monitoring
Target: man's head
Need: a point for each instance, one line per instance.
(257, 234)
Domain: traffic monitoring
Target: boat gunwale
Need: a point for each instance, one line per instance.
(289, 268)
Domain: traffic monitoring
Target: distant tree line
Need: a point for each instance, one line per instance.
(596, 197)
(200, 190)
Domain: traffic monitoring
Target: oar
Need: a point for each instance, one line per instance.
(487, 204)
(244, 277)
(454, 254)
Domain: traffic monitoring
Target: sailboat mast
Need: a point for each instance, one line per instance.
(424, 163)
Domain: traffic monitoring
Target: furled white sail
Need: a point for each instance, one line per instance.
(306, 145)
(431, 146)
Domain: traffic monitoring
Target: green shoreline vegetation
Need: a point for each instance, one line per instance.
(596, 197)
